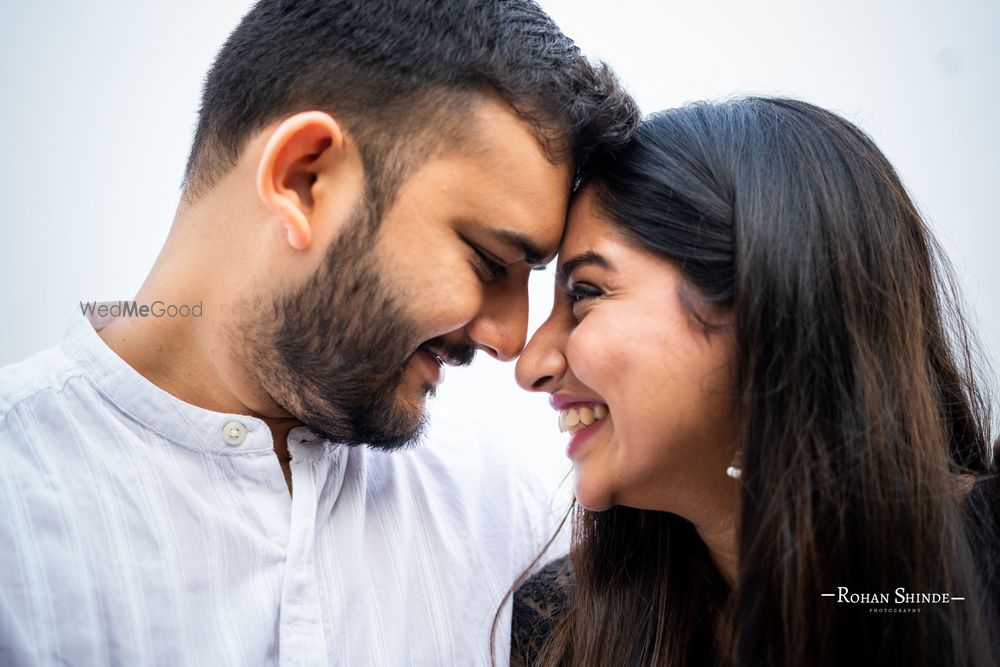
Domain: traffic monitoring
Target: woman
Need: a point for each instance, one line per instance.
(774, 423)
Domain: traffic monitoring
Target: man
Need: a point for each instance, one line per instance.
(183, 477)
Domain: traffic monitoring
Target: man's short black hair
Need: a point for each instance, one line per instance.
(401, 75)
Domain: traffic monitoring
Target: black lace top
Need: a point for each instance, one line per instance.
(544, 598)
(537, 604)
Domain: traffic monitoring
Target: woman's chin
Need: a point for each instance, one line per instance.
(592, 499)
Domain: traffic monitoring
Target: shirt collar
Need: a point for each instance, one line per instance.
(180, 422)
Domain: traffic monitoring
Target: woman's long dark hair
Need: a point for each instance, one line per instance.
(860, 413)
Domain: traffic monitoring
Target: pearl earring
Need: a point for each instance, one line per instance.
(734, 470)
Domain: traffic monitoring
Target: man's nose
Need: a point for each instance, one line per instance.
(501, 327)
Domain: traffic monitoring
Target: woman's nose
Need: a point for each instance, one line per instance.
(542, 364)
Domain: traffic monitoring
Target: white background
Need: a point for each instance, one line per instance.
(100, 101)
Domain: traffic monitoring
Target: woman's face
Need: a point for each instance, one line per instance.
(623, 353)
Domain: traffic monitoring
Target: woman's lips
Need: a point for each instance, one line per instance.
(580, 436)
(562, 401)
(579, 416)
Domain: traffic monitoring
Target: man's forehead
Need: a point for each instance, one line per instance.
(526, 215)
(499, 175)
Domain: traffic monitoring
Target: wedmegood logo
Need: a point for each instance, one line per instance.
(135, 309)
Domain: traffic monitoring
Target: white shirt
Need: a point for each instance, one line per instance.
(134, 530)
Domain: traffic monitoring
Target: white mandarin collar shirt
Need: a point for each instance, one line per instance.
(138, 529)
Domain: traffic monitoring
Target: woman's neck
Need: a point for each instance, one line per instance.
(719, 535)
(715, 518)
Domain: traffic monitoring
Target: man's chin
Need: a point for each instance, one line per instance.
(408, 419)
(412, 408)
(399, 440)
(388, 427)
(391, 418)
(377, 438)
(415, 387)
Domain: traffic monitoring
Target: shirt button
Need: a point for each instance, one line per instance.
(234, 433)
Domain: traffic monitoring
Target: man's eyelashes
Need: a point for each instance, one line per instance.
(488, 267)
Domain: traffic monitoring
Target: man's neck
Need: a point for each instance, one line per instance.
(173, 352)
(191, 358)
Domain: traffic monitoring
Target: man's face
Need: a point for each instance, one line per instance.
(354, 350)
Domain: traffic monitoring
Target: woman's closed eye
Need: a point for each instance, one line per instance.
(582, 291)
(581, 294)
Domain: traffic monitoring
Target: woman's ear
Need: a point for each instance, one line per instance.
(301, 147)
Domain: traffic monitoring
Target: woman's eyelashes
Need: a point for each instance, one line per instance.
(580, 293)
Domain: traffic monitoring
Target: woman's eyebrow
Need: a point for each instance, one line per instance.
(570, 265)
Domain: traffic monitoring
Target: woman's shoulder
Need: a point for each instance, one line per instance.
(538, 605)
(982, 501)
(982, 519)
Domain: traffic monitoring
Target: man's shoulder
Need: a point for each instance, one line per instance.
(465, 454)
(476, 478)
(36, 378)
(450, 462)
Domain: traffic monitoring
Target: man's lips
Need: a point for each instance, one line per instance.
(450, 355)
(432, 364)
(434, 357)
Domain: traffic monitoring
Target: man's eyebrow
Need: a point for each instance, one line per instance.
(533, 255)
(570, 265)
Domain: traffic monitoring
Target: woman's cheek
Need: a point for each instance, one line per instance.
(595, 356)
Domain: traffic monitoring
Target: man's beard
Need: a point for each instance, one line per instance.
(333, 351)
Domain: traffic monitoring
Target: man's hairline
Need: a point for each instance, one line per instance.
(460, 144)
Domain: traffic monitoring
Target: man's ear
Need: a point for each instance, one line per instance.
(300, 147)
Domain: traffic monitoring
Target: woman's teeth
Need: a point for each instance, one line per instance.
(577, 417)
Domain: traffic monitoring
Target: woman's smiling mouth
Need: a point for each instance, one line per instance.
(576, 417)
(579, 416)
